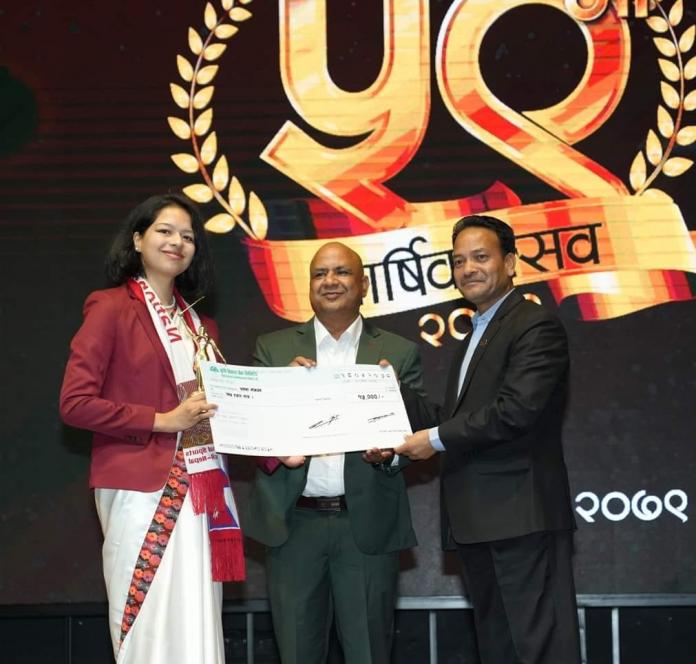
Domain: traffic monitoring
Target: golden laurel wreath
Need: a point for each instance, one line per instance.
(249, 213)
(675, 98)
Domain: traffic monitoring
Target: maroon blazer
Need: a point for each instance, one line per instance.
(117, 377)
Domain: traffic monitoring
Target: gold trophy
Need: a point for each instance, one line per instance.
(202, 341)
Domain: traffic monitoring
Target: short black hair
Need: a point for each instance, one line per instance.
(506, 236)
(123, 261)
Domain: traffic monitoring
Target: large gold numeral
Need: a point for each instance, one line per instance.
(393, 111)
(433, 338)
(388, 119)
(539, 141)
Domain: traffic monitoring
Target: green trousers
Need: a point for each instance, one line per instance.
(319, 574)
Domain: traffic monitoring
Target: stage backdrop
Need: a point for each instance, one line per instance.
(380, 124)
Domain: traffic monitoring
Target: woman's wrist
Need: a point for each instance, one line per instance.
(160, 423)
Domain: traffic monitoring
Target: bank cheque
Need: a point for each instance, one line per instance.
(284, 411)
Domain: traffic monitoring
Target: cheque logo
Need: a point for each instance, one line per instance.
(594, 244)
(617, 506)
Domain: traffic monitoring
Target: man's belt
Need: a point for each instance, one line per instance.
(323, 503)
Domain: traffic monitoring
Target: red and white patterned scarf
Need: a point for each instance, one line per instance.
(208, 482)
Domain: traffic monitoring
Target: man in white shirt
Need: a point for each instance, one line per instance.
(334, 524)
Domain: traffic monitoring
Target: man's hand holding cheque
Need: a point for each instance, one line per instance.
(377, 455)
(292, 461)
(306, 362)
(416, 446)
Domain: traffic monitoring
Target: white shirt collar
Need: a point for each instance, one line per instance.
(350, 336)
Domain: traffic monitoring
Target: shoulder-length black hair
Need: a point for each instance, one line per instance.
(123, 261)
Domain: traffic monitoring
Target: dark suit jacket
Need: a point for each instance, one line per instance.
(503, 473)
(117, 377)
(380, 516)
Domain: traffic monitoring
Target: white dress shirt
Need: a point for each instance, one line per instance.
(325, 473)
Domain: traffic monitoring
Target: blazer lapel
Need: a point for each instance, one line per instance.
(304, 341)
(491, 330)
(143, 316)
(369, 346)
(451, 391)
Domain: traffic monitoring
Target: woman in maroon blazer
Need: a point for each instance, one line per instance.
(129, 363)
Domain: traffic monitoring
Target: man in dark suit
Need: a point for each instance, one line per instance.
(506, 501)
(334, 524)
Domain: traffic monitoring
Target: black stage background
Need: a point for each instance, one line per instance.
(84, 92)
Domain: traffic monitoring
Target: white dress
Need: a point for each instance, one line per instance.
(179, 609)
